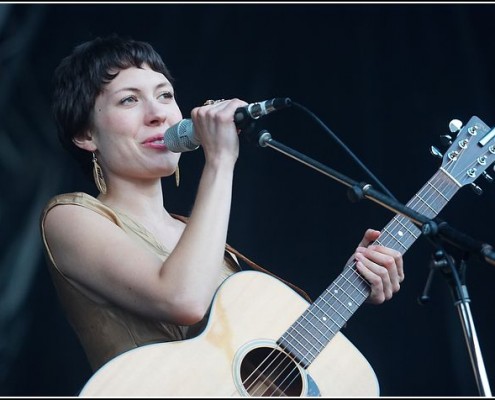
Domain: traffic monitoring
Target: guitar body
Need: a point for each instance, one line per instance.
(250, 311)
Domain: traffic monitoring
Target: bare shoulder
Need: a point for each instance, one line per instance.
(69, 219)
(76, 234)
(96, 254)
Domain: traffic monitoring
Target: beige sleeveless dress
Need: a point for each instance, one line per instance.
(106, 330)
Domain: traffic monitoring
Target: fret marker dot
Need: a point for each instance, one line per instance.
(335, 290)
(350, 303)
(401, 233)
(324, 318)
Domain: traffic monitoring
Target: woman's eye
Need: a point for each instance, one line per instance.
(128, 100)
(166, 95)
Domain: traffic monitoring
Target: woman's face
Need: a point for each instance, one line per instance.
(130, 118)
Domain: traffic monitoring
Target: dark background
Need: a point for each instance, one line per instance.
(386, 78)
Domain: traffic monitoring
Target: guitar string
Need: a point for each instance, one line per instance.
(353, 283)
(294, 372)
(309, 321)
(274, 379)
(279, 375)
(422, 201)
(279, 354)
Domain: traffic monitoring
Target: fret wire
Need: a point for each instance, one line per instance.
(336, 288)
(318, 345)
(434, 190)
(342, 291)
(431, 186)
(316, 304)
(426, 209)
(400, 218)
(383, 240)
(310, 311)
(326, 315)
(331, 309)
(302, 357)
(437, 190)
(329, 333)
(344, 318)
(357, 276)
(406, 223)
(351, 285)
(289, 334)
(338, 309)
(351, 270)
(424, 197)
(402, 222)
(323, 300)
(310, 321)
(323, 334)
(303, 340)
(327, 337)
(424, 201)
(331, 305)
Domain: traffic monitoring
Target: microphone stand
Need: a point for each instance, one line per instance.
(430, 228)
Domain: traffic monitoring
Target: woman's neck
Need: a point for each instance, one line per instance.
(142, 200)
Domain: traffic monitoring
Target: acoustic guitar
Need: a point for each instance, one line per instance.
(264, 339)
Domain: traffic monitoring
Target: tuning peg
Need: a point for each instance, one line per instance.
(487, 177)
(476, 189)
(434, 151)
(446, 140)
(455, 125)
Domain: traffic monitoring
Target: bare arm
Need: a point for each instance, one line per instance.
(101, 257)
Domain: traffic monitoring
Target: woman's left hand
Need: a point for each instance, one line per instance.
(381, 266)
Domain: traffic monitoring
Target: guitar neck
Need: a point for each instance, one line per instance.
(312, 331)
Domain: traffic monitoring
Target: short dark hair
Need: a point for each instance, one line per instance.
(81, 77)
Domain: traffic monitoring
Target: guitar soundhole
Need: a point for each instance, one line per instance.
(267, 371)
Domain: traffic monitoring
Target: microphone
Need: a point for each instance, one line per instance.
(181, 137)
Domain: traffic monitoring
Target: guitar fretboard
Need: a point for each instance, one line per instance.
(312, 331)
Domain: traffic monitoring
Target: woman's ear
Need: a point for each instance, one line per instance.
(85, 141)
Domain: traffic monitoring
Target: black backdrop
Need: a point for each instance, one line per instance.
(386, 78)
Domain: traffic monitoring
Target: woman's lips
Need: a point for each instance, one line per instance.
(155, 142)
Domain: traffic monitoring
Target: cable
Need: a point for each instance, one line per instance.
(354, 157)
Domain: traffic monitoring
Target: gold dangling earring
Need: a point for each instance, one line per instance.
(177, 176)
(98, 176)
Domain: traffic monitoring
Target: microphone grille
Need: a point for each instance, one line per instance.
(180, 137)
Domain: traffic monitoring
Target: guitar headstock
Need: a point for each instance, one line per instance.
(470, 153)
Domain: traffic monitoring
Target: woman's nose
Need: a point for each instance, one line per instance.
(156, 113)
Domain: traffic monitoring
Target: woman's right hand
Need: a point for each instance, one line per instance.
(214, 124)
